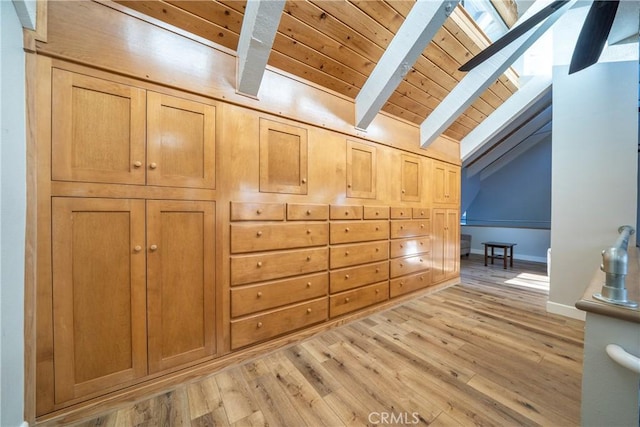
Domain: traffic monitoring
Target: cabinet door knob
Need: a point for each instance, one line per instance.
(137, 248)
(403, 191)
(348, 185)
(137, 164)
(153, 165)
(259, 325)
(304, 180)
(259, 294)
(153, 247)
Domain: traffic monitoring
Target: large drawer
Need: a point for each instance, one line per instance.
(264, 237)
(408, 265)
(405, 284)
(253, 298)
(274, 265)
(307, 212)
(349, 301)
(417, 227)
(359, 253)
(246, 211)
(360, 231)
(411, 246)
(268, 325)
(353, 277)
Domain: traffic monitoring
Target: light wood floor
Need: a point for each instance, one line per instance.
(484, 352)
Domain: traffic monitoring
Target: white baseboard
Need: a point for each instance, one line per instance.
(565, 310)
(515, 256)
(24, 424)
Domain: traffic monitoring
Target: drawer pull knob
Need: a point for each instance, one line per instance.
(346, 299)
(259, 211)
(377, 213)
(308, 258)
(154, 248)
(308, 231)
(348, 185)
(259, 264)
(259, 233)
(346, 230)
(153, 165)
(403, 191)
(401, 265)
(377, 291)
(308, 310)
(377, 249)
(308, 212)
(421, 243)
(421, 277)
(259, 325)
(346, 253)
(377, 228)
(137, 164)
(420, 259)
(402, 212)
(308, 284)
(402, 227)
(377, 270)
(346, 276)
(401, 284)
(421, 225)
(259, 294)
(401, 246)
(304, 180)
(346, 213)
(137, 248)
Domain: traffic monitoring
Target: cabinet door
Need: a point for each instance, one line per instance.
(438, 244)
(283, 158)
(439, 182)
(361, 170)
(98, 294)
(453, 184)
(181, 142)
(452, 245)
(98, 130)
(180, 282)
(411, 179)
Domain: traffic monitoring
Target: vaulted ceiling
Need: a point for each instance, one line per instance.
(337, 44)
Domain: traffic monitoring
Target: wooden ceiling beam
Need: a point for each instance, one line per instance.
(259, 27)
(417, 31)
(26, 11)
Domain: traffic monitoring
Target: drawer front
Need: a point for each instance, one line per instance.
(411, 246)
(345, 212)
(376, 212)
(400, 213)
(404, 285)
(347, 302)
(349, 278)
(421, 213)
(264, 326)
(361, 253)
(264, 237)
(254, 298)
(408, 265)
(241, 211)
(363, 231)
(400, 229)
(305, 212)
(274, 265)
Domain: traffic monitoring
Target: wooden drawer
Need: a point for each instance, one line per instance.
(376, 212)
(274, 265)
(411, 246)
(305, 212)
(419, 213)
(412, 264)
(268, 325)
(254, 298)
(345, 212)
(242, 211)
(347, 302)
(400, 213)
(264, 237)
(418, 227)
(349, 278)
(362, 231)
(361, 253)
(404, 285)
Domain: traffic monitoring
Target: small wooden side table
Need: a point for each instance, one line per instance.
(507, 252)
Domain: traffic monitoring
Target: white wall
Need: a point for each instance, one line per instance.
(532, 244)
(12, 216)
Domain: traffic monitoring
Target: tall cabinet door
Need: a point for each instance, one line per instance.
(180, 282)
(99, 312)
(439, 244)
(180, 142)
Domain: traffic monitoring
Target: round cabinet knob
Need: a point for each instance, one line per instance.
(137, 164)
(402, 227)
(346, 276)
(153, 247)
(259, 264)
(377, 270)
(346, 230)
(420, 259)
(259, 233)
(308, 212)
(401, 246)
(137, 248)
(308, 258)
(308, 284)
(421, 225)
(346, 253)
(308, 231)
(377, 249)
(377, 213)
(421, 277)
(401, 284)
(377, 228)
(304, 180)
(403, 191)
(402, 213)
(308, 310)
(346, 299)
(259, 294)
(348, 185)
(377, 291)
(259, 211)
(259, 325)
(153, 165)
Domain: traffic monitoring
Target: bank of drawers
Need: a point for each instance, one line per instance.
(410, 250)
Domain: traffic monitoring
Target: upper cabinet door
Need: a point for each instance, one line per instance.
(361, 170)
(98, 130)
(180, 142)
(446, 181)
(283, 158)
(411, 179)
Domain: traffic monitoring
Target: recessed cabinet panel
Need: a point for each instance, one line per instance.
(181, 142)
(361, 170)
(411, 179)
(99, 313)
(446, 182)
(283, 158)
(98, 130)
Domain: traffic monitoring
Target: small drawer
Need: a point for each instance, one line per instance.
(268, 325)
(421, 213)
(417, 227)
(404, 285)
(361, 231)
(274, 265)
(412, 246)
(361, 253)
(400, 213)
(376, 212)
(243, 211)
(349, 278)
(253, 298)
(269, 236)
(347, 302)
(345, 212)
(412, 264)
(304, 212)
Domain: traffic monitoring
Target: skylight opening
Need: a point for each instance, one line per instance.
(487, 18)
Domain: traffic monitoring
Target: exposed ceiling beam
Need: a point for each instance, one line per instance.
(26, 11)
(259, 27)
(625, 24)
(482, 76)
(421, 24)
(530, 142)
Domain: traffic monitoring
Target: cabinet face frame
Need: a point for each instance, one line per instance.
(356, 170)
(296, 164)
(411, 171)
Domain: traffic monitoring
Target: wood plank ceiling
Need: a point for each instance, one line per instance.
(336, 44)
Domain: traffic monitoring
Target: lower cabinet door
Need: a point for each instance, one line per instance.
(99, 318)
(180, 282)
